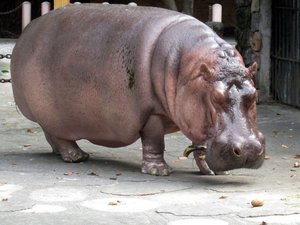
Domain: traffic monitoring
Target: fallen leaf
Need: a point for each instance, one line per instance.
(114, 203)
(93, 173)
(32, 130)
(182, 158)
(68, 173)
(222, 197)
(284, 146)
(296, 164)
(275, 133)
(29, 130)
(257, 203)
(267, 157)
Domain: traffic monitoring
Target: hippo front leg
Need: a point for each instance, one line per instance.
(152, 137)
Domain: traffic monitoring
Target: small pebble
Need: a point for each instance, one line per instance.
(257, 203)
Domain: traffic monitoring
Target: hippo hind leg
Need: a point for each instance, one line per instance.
(152, 137)
(69, 150)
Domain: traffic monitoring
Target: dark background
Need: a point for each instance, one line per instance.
(10, 24)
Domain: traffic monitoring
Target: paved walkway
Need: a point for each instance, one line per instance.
(36, 187)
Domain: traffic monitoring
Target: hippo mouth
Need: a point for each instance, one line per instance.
(200, 155)
(207, 165)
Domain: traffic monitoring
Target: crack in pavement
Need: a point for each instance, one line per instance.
(192, 215)
(245, 191)
(138, 181)
(271, 214)
(146, 194)
(17, 210)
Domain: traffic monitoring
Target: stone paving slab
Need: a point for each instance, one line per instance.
(36, 187)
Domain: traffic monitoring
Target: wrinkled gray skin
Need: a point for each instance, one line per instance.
(112, 74)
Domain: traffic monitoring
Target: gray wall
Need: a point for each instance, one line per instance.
(264, 74)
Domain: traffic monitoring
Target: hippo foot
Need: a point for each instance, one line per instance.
(156, 169)
(74, 155)
(69, 150)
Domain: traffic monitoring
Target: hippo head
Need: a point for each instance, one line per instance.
(216, 110)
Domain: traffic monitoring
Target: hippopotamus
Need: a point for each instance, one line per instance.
(112, 74)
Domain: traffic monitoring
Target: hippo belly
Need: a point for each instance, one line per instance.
(81, 75)
(83, 72)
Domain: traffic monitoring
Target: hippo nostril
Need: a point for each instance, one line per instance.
(237, 152)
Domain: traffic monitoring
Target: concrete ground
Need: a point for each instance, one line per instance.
(36, 187)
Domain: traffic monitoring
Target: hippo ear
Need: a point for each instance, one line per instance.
(206, 73)
(252, 70)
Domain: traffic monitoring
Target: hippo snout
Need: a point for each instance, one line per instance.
(247, 154)
(228, 154)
